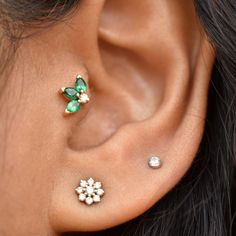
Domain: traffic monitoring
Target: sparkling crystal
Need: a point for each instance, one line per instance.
(79, 190)
(98, 185)
(100, 192)
(70, 93)
(96, 198)
(154, 162)
(80, 84)
(90, 181)
(83, 98)
(73, 106)
(89, 190)
(89, 200)
(83, 183)
(82, 197)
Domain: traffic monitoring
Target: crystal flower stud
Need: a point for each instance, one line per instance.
(154, 162)
(89, 191)
(76, 95)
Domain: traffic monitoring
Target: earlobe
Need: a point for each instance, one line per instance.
(163, 110)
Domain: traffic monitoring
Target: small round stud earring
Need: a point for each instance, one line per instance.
(154, 162)
(76, 95)
(89, 191)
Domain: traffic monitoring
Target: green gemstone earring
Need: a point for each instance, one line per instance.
(76, 95)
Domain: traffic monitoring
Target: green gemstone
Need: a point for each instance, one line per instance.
(70, 93)
(80, 84)
(73, 106)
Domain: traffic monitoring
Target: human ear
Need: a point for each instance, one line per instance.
(148, 66)
(150, 75)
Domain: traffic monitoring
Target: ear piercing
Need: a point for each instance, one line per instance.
(89, 191)
(76, 95)
(154, 162)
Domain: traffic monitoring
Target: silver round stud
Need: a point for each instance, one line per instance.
(89, 191)
(154, 162)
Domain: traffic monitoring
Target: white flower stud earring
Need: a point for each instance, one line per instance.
(89, 191)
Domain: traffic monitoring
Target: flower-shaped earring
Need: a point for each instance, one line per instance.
(90, 191)
(76, 95)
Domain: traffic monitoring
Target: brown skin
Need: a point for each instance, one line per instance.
(148, 66)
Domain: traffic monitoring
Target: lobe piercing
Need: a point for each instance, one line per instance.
(76, 95)
(89, 191)
(154, 162)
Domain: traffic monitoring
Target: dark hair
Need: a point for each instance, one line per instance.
(203, 203)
